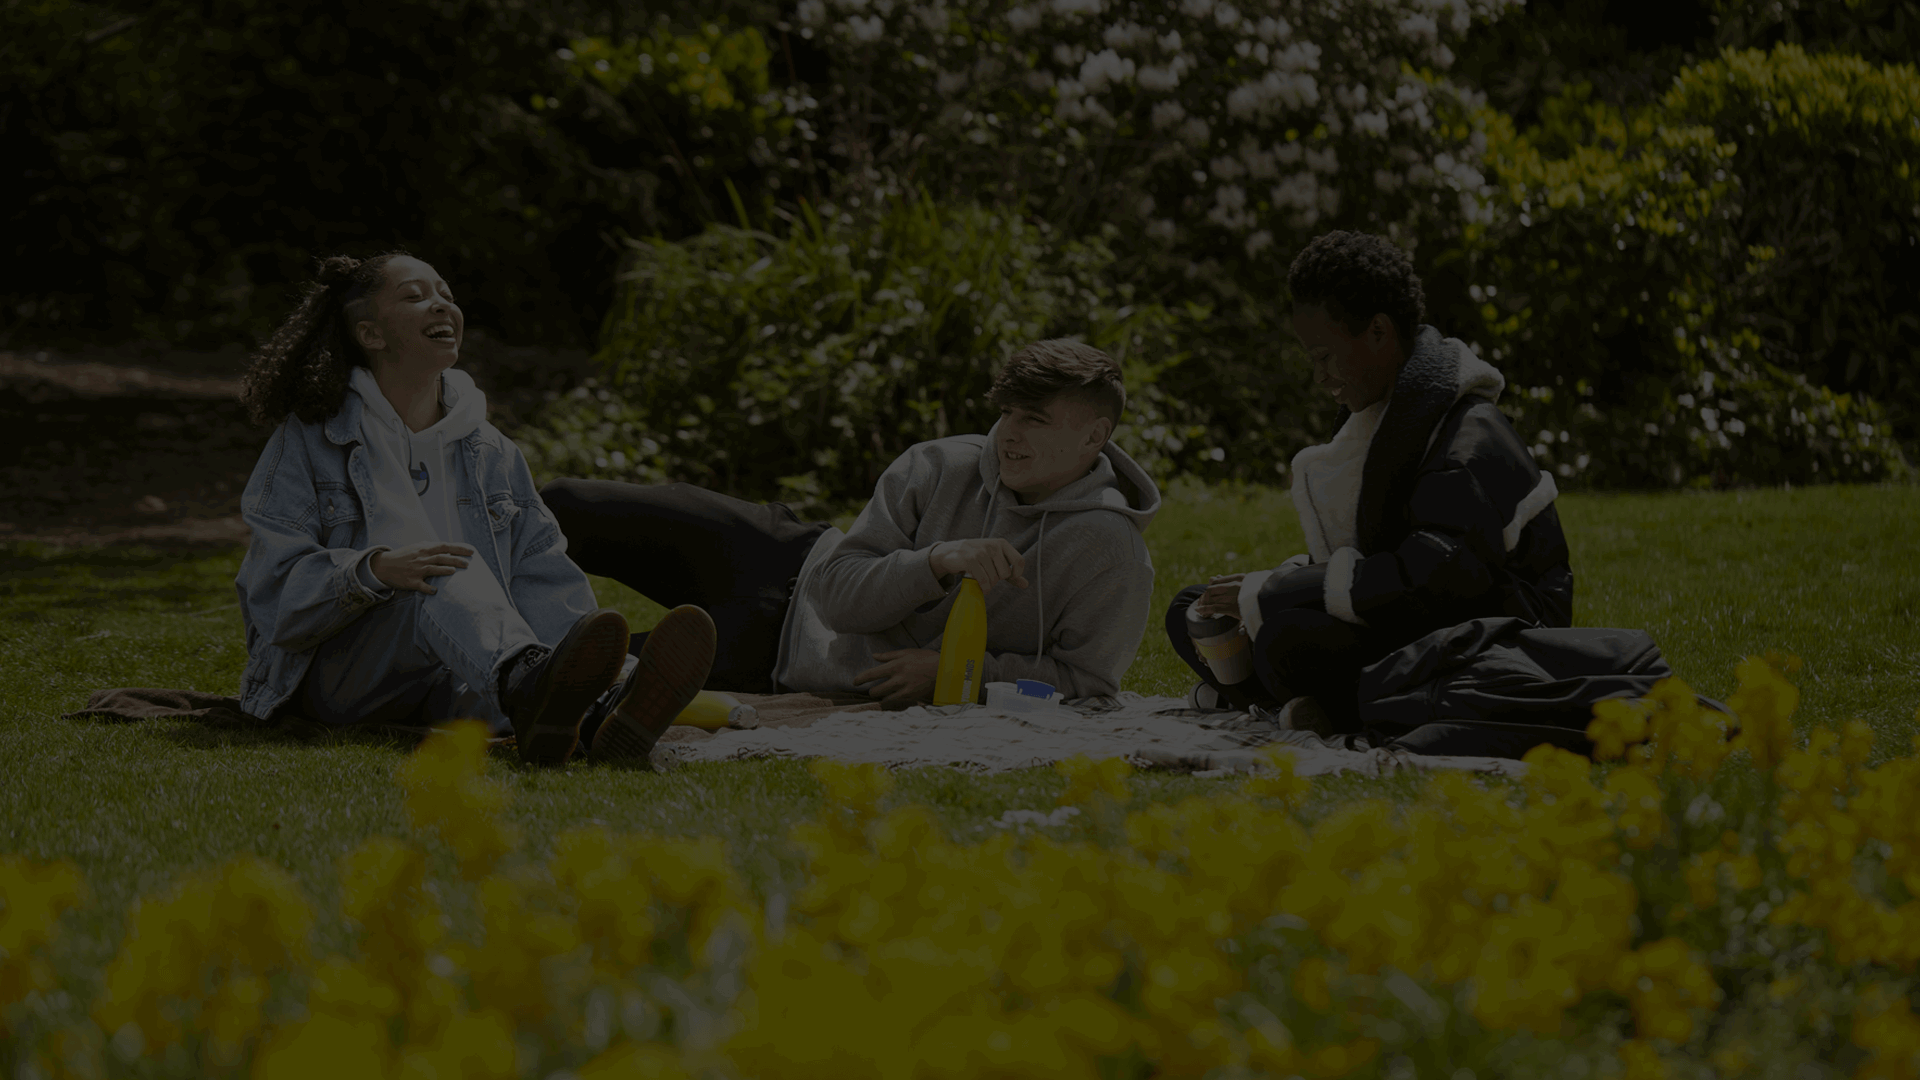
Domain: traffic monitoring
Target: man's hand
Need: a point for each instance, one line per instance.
(906, 677)
(410, 567)
(1221, 598)
(990, 561)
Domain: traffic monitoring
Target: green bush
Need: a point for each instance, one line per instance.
(1632, 285)
(183, 163)
(799, 367)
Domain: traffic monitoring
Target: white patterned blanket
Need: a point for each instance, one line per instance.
(1151, 732)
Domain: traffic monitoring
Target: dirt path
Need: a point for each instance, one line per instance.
(154, 447)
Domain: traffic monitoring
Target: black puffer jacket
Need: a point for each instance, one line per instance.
(1455, 520)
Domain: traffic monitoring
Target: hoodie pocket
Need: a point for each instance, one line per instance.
(341, 518)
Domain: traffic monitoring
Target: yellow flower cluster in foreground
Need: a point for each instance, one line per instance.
(1666, 914)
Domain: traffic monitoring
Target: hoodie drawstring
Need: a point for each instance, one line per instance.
(1039, 594)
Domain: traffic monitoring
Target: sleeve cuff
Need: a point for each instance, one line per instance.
(363, 574)
(1339, 588)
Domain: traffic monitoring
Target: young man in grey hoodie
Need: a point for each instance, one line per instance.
(1043, 510)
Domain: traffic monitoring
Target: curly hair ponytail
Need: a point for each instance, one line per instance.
(303, 368)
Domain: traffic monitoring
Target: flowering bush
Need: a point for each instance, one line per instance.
(1194, 122)
(1677, 909)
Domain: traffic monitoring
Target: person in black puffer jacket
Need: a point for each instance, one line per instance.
(1424, 511)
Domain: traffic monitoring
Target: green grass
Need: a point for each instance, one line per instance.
(1824, 573)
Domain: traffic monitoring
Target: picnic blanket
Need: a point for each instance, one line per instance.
(1151, 732)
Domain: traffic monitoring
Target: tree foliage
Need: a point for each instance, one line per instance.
(185, 162)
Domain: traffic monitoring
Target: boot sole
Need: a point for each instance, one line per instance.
(583, 665)
(674, 665)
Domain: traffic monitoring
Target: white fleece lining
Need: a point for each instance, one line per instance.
(1538, 499)
(1250, 601)
(1339, 591)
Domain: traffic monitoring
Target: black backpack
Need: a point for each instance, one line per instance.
(1499, 687)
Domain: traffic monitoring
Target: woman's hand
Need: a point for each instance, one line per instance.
(1221, 598)
(410, 567)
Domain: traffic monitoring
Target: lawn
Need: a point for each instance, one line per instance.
(1823, 573)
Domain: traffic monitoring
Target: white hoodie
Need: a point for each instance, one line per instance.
(413, 471)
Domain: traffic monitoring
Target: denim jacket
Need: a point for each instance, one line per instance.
(307, 504)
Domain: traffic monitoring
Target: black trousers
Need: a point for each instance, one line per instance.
(682, 544)
(1300, 648)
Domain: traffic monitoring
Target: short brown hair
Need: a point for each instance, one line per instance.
(1044, 370)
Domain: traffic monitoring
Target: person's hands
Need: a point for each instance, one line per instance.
(1221, 598)
(990, 561)
(906, 677)
(410, 567)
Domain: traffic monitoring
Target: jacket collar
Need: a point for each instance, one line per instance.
(1423, 394)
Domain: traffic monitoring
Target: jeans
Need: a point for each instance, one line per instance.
(421, 658)
(682, 544)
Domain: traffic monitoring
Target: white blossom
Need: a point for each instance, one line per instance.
(1126, 35)
(1271, 30)
(1076, 7)
(1300, 191)
(1371, 123)
(1259, 241)
(1196, 9)
(1419, 27)
(1226, 168)
(811, 13)
(1102, 68)
(1162, 79)
(1166, 113)
(1023, 18)
(950, 83)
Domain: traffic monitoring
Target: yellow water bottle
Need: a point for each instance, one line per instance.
(963, 648)
(711, 710)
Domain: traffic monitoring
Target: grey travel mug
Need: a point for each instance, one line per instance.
(1222, 642)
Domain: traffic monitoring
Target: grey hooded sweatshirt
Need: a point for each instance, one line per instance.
(1078, 623)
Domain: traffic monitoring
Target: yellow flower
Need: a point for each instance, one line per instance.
(1640, 1061)
(32, 896)
(1663, 982)
(1088, 779)
(1765, 703)
(1278, 781)
(195, 960)
(472, 1046)
(1636, 799)
(857, 787)
(1617, 724)
(447, 793)
(634, 1061)
(325, 1047)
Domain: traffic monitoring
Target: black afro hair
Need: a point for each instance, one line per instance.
(1356, 276)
